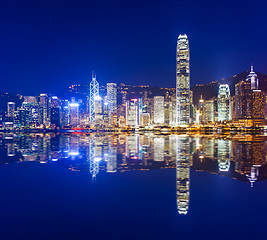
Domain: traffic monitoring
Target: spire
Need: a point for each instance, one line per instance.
(251, 68)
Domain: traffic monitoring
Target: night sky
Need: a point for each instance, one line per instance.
(46, 46)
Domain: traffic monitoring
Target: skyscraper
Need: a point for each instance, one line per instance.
(43, 109)
(112, 97)
(224, 103)
(132, 112)
(159, 110)
(94, 92)
(74, 114)
(182, 81)
(253, 79)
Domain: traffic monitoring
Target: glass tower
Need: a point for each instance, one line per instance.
(224, 102)
(182, 81)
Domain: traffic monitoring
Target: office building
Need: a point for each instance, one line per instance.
(224, 103)
(159, 110)
(182, 81)
(74, 114)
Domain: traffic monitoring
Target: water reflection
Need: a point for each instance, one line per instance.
(241, 157)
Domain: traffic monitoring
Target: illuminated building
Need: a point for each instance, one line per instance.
(258, 104)
(74, 114)
(112, 98)
(243, 100)
(132, 112)
(55, 112)
(10, 109)
(173, 112)
(182, 81)
(94, 92)
(253, 79)
(201, 108)
(105, 111)
(43, 109)
(65, 113)
(224, 103)
(98, 110)
(144, 119)
(159, 110)
(209, 110)
(182, 173)
(249, 100)
(122, 121)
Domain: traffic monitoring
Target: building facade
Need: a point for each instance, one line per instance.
(182, 81)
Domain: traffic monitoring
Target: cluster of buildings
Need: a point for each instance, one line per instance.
(246, 108)
(241, 157)
(127, 106)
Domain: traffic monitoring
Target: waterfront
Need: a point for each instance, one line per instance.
(78, 186)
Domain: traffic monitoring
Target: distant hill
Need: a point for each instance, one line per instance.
(211, 90)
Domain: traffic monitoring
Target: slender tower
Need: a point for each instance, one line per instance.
(94, 92)
(182, 81)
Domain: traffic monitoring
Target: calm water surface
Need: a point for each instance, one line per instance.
(133, 187)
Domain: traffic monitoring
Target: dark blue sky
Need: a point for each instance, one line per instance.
(47, 45)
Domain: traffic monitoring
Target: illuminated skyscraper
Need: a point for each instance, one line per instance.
(224, 103)
(112, 98)
(74, 114)
(10, 109)
(209, 110)
(182, 81)
(258, 104)
(133, 112)
(253, 79)
(159, 110)
(182, 173)
(94, 92)
(43, 109)
(65, 113)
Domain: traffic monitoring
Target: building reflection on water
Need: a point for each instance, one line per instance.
(241, 157)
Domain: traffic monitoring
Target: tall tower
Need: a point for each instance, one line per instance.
(112, 98)
(94, 92)
(253, 79)
(182, 81)
(224, 103)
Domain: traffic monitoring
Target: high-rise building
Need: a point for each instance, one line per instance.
(243, 100)
(43, 109)
(159, 110)
(224, 103)
(74, 114)
(10, 109)
(133, 112)
(55, 111)
(258, 104)
(182, 81)
(209, 110)
(65, 113)
(249, 100)
(94, 92)
(253, 79)
(112, 98)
